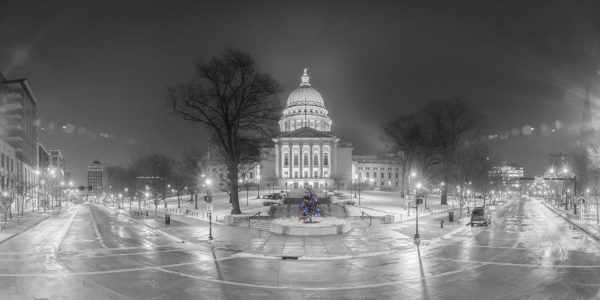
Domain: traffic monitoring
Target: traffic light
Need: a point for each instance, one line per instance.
(208, 199)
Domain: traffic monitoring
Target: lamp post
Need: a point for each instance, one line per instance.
(286, 177)
(258, 187)
(208, 182)
(417, 237)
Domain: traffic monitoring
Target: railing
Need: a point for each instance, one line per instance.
(253, 216)
(363, 214)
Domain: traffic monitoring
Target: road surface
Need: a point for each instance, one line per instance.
(90, 252)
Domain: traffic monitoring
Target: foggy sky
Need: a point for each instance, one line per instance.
(103, 67)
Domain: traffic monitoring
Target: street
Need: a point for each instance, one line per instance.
(90, 252)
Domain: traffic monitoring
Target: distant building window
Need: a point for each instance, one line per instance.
(305, 159)
(359, 174)
(295, 174)
(325, 174)
(286, 159)
(285, 174)
(374, 174)
(367, 174)
(396, 175)
(316, 174)
(382, 175)
(295, 159)
(305, 174)
(316, 159)
(389, 175)
(326, 159)
(3, 160)
(251, 175)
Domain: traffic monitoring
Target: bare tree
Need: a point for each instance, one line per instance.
(238, 105)
(156, 170)
(411, 135)
(471, 169)
(453, 124)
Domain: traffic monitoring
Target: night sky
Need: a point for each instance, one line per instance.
(100, 68)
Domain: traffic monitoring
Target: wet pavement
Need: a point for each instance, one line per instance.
(92, 252)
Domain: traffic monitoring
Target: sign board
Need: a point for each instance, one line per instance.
(209, 207)
(419, 201)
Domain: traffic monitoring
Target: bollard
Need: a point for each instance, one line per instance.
(442, 223)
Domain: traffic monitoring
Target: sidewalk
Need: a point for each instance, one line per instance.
(19, 224)
(592, 230)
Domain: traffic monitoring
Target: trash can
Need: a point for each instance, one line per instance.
(450, 216)
(167, 219)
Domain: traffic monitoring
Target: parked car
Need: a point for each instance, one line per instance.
(480, 216)
(270, 202)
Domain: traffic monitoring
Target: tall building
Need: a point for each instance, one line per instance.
(57, 162)
(43, 157)
(95, 172)
(18, 126)
(506, 176)
(307, 152)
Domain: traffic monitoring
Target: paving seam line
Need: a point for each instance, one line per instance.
(19, 232)
(594, 236)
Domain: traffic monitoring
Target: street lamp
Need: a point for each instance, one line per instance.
(208, 182)
(417, 237)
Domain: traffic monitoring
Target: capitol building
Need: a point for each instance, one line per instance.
(307, 152)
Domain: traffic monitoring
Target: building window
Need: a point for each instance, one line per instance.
(285, 175)
(389, 175)
(374, 174)
(326, 159)
(295, 174)
(396, 175)
(382, 175)
(325, 174)
(296, 159)
(367, 174)
(305, 174)
(316, 159)
(316, 175)
(251, 175)
(305, 159)
(359, 175)
(286, 159)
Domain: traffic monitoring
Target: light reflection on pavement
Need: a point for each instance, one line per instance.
(89, 252)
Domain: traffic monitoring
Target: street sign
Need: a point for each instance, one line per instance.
(209, 207)
(419, 201)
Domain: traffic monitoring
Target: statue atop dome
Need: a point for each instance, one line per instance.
(305, 78)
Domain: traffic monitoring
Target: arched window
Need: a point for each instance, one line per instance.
(326, 159)
(315, 159)
(286, 159)
(305, 159)
(295, 159)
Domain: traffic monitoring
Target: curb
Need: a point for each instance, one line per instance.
(592, 235)
(33, 225)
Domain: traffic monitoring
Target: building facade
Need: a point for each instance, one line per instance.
(306, 152)
(507, 176)
(95, 176)
(377, 171)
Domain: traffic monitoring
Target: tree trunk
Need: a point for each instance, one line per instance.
(235, 199)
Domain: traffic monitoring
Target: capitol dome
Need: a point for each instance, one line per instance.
(305, 94)
(305, 107)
